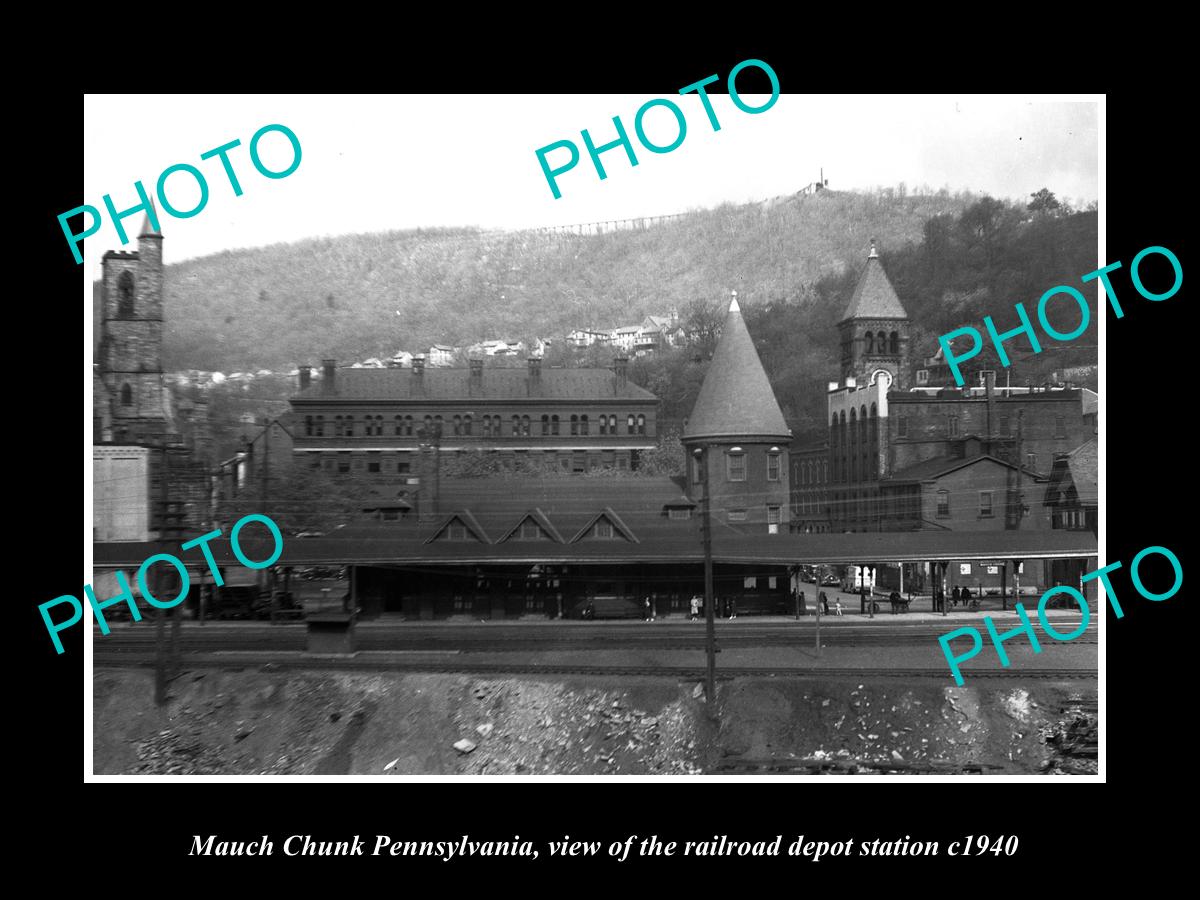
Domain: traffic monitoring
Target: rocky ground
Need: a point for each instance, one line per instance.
(313, 722)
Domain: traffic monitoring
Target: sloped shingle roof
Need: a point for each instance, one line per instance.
(736, 400)
(874, 297)
(455, 384)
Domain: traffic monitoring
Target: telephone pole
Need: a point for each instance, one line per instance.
(710, 633)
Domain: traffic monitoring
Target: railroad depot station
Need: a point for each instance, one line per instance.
(508, 546)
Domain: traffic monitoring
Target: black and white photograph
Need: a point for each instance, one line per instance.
(733, 433)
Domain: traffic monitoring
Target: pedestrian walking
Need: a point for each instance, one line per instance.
(646, 609)
(724, 607)
(837, 606)
(733, 607)
(955, 596)
(695, 607)
(824, 601)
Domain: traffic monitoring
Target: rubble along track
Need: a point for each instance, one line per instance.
(845, 766)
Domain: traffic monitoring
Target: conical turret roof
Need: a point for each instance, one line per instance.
(874, 297)
(147, 229)
(736, 400)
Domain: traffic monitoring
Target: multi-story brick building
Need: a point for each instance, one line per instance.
(810, 488)
(740, 430)
(372, 420)
(882, 431)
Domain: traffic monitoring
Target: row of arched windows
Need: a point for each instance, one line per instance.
(463, 426)
(854, 445)
(882, 342)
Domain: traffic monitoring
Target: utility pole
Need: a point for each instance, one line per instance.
(160, 635)
(710, 635)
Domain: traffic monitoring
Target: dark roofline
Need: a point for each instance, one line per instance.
(540, 517)
(467, 519)
(956, 464)
(614, 519)
(781, 549)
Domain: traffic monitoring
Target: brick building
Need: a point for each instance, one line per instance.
(739, 427)
(810, 488)
(882, 430)
(370, 421)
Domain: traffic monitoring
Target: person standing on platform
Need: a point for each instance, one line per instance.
(695, 607)
(955, 596)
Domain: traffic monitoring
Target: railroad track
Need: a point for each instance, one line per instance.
(847, 766)
(455, 664)
(368, 642)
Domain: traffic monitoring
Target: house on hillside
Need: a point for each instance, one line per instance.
(585, 337)
(441, 355)
(625, 338)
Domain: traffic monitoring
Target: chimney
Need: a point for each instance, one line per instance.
(833, 386)
(989, 389)
(851, 382)
(305, 377)
(418, 365)
(476, 374)
(620, 372)
(329, 373)
(535, 368)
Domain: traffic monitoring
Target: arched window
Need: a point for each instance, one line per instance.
(308, 426)
(631, 424)
(338, 427)
(574, 425)
(457, 426)
(467, 425)
(554, 425)
(408, 426)
(349, 426)
(516, 425)
(853, 445)
(319, 425)
(399, 426)
(126, 392)
(604, 424)
(870, 342)
(894, 343)
(545, 425)
(612, 424)
(379, 426)
(487, 426)
(125, 296)
(428, 424)
(641, 424)
(881, 343)
(525, 426)
(583, 424)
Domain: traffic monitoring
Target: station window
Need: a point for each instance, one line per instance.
(373, 462)
(943, 504)
(772, 467)
(773, 515)
(735, 466)
(737, 515)
(677, 513)
(985, 504)
(902, 427)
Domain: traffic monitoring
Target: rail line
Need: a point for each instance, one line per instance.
(295, 640)
(454, 664)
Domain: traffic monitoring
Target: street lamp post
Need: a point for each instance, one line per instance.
(710, 636)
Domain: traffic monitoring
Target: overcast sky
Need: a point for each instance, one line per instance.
(374, 163)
